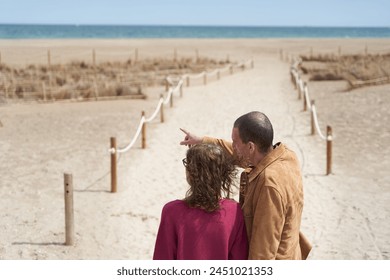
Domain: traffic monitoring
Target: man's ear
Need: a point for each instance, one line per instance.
(252, 146)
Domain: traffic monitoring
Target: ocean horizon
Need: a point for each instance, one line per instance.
(68, 31)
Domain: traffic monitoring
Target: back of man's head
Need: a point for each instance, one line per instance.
(257, 128)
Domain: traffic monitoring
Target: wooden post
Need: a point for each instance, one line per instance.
(171, 100)
(96, 90)
(304, 97)
(188, 81)
(181, 90)
(328, 150)
(94, 58)
(313, 129)
(48, 60)
(12, 85)
(299, 89)
(69, 213)
(143, 132)
(174, 55)
(113, 165)
(162, 109)
(294, 79)
(6, 86)
(135, 55)
(292, 76)
(166, 85)
(51, 85)
(44, 91)
(204, 78)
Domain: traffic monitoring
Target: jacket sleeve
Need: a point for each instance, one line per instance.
(226, 145)
(166, 241)
(268, 222)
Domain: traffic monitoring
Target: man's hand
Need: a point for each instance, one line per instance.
(190, 139)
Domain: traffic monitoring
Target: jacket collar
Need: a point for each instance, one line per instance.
(278, 150)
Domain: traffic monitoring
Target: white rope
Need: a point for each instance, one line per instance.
(199, 75)
(213, 72)
(313, 108)
(170, 92)
(169, 80)
(295, 73)
(308, 103)
(160, 103)
(131, 144)
(156, 111)
(299, 83)
(227, 68)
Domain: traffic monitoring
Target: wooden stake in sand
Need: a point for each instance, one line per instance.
(69, 213)
(162, 109)
(144, 131)
(313, 128)
(94, 59)
(113, 164)
(166, 84)
(48, 59)
(304, 96)
(135, 55)
(44, 91)
(328, 150)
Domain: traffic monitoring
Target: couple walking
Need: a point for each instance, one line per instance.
(265, 224)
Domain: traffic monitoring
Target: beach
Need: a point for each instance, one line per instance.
(345, 213)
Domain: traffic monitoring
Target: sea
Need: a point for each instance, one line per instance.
(35, 31)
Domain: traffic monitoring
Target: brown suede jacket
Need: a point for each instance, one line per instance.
(271, 196)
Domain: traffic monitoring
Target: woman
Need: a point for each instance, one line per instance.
(206, 224)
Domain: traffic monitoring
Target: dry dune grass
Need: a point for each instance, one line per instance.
(357, 70)
(80, 80)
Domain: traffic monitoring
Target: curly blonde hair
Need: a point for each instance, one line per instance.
(210, 174)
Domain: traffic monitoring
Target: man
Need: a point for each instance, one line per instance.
(271, 191)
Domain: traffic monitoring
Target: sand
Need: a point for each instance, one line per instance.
(345, 213)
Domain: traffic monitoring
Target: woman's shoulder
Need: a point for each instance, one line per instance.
(229, 203)
(174, 205)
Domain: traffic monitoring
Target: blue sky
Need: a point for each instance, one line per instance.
(199, 12)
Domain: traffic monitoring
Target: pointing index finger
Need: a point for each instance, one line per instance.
(186, 132)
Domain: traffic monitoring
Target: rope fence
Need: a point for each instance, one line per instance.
(133, 55)
(303, 93)
(174, 86)
(48, 79)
